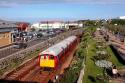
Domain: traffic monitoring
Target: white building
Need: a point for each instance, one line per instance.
(48, 25)
(54, 25)
(73, 24)
(122, 17)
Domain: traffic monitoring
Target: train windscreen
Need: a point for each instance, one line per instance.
(42, 56)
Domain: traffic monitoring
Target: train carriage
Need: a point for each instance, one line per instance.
(51, 57)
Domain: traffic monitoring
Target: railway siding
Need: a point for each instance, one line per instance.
(5, 63)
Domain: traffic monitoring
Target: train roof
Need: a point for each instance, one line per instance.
(58, 48)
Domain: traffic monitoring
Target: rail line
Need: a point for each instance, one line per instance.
(31, 72)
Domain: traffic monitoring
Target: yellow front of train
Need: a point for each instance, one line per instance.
(47, 61)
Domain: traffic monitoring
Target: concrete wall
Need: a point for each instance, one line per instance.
(5, 38)
(80, 79)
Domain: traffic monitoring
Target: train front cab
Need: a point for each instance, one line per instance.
(48, 61)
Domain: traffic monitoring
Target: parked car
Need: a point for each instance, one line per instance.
(39, 35)
(16, 45)
(19, 45)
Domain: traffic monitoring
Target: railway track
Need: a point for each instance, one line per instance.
(30, 72)
(16, 73)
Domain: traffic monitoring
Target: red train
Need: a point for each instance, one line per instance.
(54, 55)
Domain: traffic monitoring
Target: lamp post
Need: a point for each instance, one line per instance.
(47, 26)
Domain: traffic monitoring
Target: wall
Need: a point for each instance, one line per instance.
(5, 38)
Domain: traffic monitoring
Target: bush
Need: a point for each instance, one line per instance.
(80, 53)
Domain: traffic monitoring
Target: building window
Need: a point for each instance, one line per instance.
(7, 36)
(2, 36)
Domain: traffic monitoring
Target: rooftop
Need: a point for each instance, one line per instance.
(7, 24)
(7, 29)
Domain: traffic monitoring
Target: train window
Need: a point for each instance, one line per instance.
(47, 57)
(63, 52)
(42, 57)
(51, 57)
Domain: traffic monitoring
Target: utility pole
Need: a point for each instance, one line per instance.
(47, 26)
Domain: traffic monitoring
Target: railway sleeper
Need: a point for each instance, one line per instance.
(20, 74)
(12, 77)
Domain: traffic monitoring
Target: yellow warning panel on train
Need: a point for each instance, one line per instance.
(47, 63)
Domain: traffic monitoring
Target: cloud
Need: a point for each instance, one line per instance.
(7, 4)
(11, 3)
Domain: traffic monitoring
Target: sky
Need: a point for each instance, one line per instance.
(37, 10)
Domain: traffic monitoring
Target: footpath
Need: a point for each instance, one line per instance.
(120, 46)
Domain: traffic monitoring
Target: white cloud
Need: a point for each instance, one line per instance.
(11, 3)
(8, 4)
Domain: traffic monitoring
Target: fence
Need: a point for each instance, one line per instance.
(80, 79)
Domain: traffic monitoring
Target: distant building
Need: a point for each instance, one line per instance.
(6, 32)
(6, 35)
(22, 26)
(7, 24)
(73, 24)
(48, 25)
(122, 17)
(54, 25)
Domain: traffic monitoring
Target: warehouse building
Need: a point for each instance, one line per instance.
(6, 33)
(43, 25)
(6, 36)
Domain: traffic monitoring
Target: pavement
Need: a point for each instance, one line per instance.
(120, 46)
